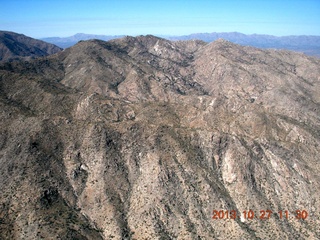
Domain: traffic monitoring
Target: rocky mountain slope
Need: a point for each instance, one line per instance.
(14, 46)
(143, 138)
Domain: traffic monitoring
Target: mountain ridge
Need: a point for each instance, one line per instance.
(300, 43)
(14, 46)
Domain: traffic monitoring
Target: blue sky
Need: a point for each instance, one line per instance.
(46, 18)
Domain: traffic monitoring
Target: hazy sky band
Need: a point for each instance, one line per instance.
(64, 18)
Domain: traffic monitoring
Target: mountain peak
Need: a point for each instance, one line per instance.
(222, 40)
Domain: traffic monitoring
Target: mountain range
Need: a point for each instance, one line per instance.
(309, 45)
(65, 42)
(146, 138)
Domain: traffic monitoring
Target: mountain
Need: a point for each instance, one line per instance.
(65, 42)
(146, 138)
(14, 46)
(309, 45)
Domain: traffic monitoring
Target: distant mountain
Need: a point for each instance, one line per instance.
(309, 45)
(15, 46)
(66, 42)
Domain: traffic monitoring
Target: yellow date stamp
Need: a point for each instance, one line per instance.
(262, 214)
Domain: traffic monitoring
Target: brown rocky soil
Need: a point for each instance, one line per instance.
(142, 138)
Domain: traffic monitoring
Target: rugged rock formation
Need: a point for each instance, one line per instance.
(142, 138)
(14, 46)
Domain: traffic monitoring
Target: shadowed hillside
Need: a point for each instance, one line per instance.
(14, 46)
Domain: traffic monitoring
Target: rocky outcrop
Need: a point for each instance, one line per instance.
(143, 138)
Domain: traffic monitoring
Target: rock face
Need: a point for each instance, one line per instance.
(143, 138)
(14, 46)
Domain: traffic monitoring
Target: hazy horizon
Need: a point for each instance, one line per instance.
(166, 35)
(42, 19)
